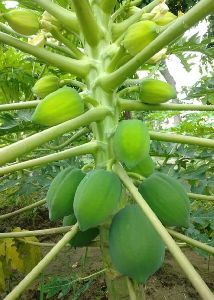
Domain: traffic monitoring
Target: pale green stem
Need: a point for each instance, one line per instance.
(181, 259)
(200, 197)
(71, 139)
(107, 5)
(19, 105)
(191, 241)
(181, 139)
(39, 244)
(181, 25)
(19, 148)
(58, 36)
(133, 105)
(21, 210)
(59, 48)
(9, 30)
(88, 148)
(64, 16)
(22, 286)
(77, 67)
(40, 232)
(87, 22)
(74, 82)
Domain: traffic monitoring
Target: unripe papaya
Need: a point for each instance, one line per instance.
(154, 91)
(58, 107)
(96, 198)
(167, 198)
(81, 239)
(46, 85)
(23, 21)
(145, 167)
(139, 35)
(131, 142)
(136, 249)
(61, 192)
(164, 19)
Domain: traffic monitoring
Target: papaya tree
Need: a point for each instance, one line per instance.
(102, 44)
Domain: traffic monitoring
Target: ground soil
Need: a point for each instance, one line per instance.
(169, 283)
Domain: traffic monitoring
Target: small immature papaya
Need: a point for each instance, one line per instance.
(164, 19)
(81, 239)
(145, 167)
(136, 249)
(154, 91)
(23, 21)
(96, 198)
(61, 192)
(58, 107)
(139, 35)
(167, 198)
(46, 85)
(131, 142)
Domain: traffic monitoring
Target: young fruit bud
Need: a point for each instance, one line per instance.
(164, 19)
(23, 21)
(153, 91)
(46, 85)
(131, 142)
(58, 107)
(157, 57)
(139, 35)
(145, 167)
(47, 18)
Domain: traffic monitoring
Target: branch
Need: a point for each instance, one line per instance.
(200, 197)
(22, 286)
(19, 105)
(64, 16)
(108, 5)
(87, 22)
(19, 148)
(66, 64)
(88, 148)
(21, 210)
(191, 241)
(181, 259)
(181, 139)
(40, 232)
(130, 105)
(198, 12)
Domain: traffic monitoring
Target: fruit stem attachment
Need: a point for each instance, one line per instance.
(87, 22)
(195, 14)
(22, 286)
(181, 259)
(77, 67)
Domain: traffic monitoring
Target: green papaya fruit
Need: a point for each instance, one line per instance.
(81, 239)
(60, 195)
(58, 107)
(164, 19)
(154, 91)
(46, 85)
(167, 198)
(131, 142)
(135, 247)
(23, 21)
(96, 198)
(139, 35)
(145, 167)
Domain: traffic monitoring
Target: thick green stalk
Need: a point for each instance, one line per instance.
(21, 210)
(87, 22)
(181, 259)
(191, 241)
(194, 15)
(134, 105)
(182, 139)
(201, 197)
(19, 148)
(61, 49)
(23, 285)
(77, 67)
(89, 148)
(64, 16)
(19, 105)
